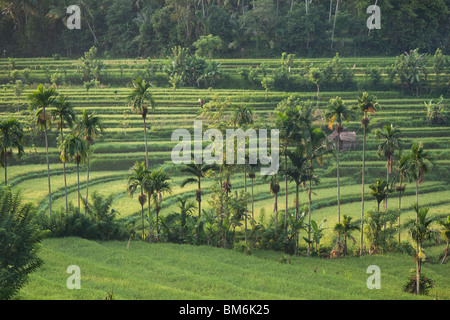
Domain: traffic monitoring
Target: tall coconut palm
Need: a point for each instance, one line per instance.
(445, 232)
(243, 117)
(338, 112)
(420, 230)
(389, 139)
(197, 172)
(11, 136)
(138, 180)
(366, 103)
(160, 184)
(316, 148)
(403, 174)
(63, 110)
(274, 188)
(300, 174)
(418, 164)
(90, 126)
(252, 176)
(74, 148)
(140, 98)
(41, 100)
(286, 121)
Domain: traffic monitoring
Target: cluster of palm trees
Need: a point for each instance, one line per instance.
(75, 147)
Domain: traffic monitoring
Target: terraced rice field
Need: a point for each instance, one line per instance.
(118, 148)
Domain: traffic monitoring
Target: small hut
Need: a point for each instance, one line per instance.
(348, 139)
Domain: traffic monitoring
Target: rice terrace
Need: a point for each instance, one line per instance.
(334, 186)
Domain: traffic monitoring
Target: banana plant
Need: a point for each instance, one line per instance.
(317, 234)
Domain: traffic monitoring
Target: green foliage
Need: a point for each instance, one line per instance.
(19, 240)
(436, 113)
(379, 230)
(90, 66)
(411, 69)
(207, 46)
(425, 283)
(100, 224)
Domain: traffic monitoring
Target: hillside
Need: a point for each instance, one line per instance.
(168, 271)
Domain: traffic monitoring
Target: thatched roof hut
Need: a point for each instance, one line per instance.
(348, 139)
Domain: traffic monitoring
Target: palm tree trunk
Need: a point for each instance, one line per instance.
(362, 186)
(146, 149)
(78, 184)
(149, 221)
(199, 199)
(275, 209)
(445, 253)
(87, 186)
(329, 14)
(64, 171)
(4, 160)
(48, 169)
(309, 211)
(142, 218)
(338, 184)
(253, 204)
(418, 267)
(286, 192)
(334, 24)
(296, 218)
(245, 191)
(387, 181)
(399, 209)
(417, 194)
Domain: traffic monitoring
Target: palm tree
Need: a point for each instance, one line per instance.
(160, 184)
(11, 136)
(41, 99)
(186, 208)
(389, 143)
(366, 103)
(138, 179)
(197, 171)
(140, 99)
(420, 230)
(403, 173)
(274, 188)
(379, 190)
(243, 117)
(64, 112)
(316, 148)
(345, 228)
(299, 173)
(74, 148)
(337, 111)
(288, 122)
(90, 125)
(446, 235)
(418, 164)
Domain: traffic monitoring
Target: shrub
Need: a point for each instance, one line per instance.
(19, 243)
(425, 283)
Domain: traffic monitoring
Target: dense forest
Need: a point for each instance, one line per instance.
(246, 28)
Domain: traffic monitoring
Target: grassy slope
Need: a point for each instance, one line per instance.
(169, 271)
